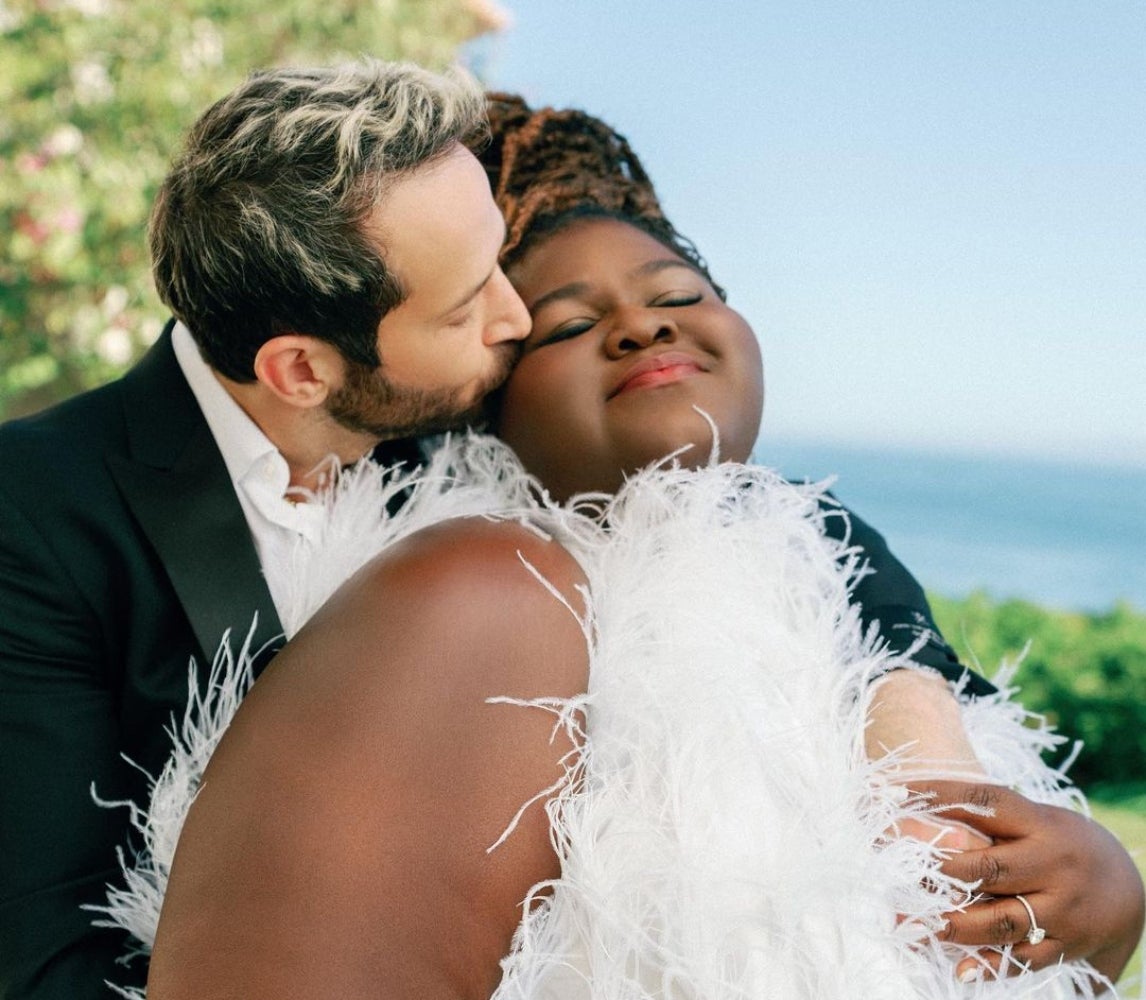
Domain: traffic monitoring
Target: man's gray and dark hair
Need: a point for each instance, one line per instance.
(258, 228)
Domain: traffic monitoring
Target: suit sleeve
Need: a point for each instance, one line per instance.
(58, 735)
(891, 598)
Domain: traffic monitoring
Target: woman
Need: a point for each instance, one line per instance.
(347, 813)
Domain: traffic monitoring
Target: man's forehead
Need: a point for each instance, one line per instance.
(439, 231)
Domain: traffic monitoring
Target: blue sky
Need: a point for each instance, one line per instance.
(933, 213)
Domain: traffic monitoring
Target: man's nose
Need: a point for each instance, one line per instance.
(511, 319)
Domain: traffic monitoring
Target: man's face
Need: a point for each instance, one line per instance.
(455, 337)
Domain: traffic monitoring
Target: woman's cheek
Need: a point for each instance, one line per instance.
(553, 417)
(527, 412)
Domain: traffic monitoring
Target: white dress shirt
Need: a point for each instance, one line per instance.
(258, 470)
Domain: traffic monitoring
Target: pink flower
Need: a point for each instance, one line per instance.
(30, 163)
(31, 227)
(67, 220)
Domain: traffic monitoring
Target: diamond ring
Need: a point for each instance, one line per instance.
(1036, 934)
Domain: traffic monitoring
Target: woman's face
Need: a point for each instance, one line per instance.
(628, 340)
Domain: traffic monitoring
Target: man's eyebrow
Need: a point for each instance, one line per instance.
(468, 296)
(472, 293)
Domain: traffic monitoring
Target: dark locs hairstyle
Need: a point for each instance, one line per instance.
(550, 167)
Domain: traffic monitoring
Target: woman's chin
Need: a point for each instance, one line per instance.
(692, 451)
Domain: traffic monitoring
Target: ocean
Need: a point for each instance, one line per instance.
(1064, 536)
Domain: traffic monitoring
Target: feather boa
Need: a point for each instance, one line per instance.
(720, 830)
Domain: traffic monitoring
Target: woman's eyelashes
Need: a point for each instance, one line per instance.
(566, 331)
(677, 299)
(575, 327)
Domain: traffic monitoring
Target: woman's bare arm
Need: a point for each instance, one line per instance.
(339, 844)
(914, 716)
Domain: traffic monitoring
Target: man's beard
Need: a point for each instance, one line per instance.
(369, 403)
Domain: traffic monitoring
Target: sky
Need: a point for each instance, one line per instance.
(933, 213)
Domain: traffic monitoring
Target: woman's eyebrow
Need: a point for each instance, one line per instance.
(661, 264)
(579, 289)
(574, 290)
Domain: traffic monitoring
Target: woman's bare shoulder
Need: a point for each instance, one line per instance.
(493, 587)
(470, 549)
(343, 827)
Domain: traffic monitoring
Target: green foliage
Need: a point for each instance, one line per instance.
(94, 98)
(1085, 672)
(1130, 798)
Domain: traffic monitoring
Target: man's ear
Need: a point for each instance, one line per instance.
(299, 370)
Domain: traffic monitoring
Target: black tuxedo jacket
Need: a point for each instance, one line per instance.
(124, 554)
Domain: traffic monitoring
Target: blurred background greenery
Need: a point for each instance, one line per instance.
(94, 98)
(1086, 672)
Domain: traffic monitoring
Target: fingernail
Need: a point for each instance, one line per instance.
(971, 975)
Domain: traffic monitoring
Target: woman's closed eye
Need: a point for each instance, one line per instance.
(570, 328)
(566, 331)
(671, 299)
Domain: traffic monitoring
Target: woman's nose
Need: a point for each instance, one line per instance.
(636, 329)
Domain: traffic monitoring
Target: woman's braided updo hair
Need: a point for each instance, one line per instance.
(548, 168)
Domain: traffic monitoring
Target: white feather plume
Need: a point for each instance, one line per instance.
(720, 830)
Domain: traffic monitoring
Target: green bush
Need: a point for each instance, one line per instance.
(1085, 672)
(95, 96)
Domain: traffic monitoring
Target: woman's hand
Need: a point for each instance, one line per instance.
(1080, 882)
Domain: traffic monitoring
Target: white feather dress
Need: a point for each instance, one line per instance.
(721, 832)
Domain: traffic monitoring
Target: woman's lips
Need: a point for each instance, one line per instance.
(661, 369)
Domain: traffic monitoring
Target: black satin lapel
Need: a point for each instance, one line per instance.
(177, 485)
(191, 516)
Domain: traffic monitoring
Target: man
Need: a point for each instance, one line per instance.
(330, 246)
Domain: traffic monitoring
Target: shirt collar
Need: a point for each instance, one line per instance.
(243, 445)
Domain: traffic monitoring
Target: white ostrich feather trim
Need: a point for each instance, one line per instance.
(719, 827)
(718, 830)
